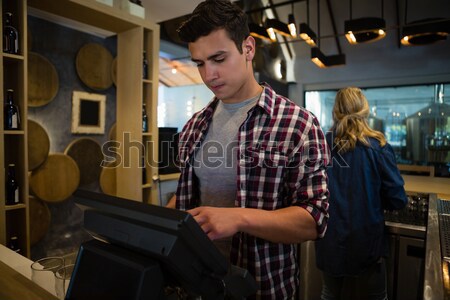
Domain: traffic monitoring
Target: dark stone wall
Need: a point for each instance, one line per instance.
(60, 46)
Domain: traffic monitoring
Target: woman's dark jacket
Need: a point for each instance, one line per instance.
(362, 184)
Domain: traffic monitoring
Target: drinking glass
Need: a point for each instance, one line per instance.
(62, 280)
(43, 272)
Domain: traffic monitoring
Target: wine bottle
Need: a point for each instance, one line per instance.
(11, 112)
(144, 171)
(12, 187)
(14, 244)
(144, 66)
(10, 36)
(144, 119)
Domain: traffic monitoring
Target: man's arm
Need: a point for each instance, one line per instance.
(172, 202)
(288, 225)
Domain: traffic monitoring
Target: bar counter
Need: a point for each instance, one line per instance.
(436, 273)
(15, 279)
(433, 276)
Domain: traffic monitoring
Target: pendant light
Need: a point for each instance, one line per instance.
(424, 32)
(305, 32)
(365, 30)
(258, 31)
(291, 22)
(276, 26)
(321, 60)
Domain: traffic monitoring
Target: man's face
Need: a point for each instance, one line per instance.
(224, 70)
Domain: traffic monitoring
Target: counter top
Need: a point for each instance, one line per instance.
(15, 286)
(433, 280)
(424, 184)
(15, 279)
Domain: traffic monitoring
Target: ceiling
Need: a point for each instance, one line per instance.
(177, 72)
(158, 10)
(329, 24)
(330, 21)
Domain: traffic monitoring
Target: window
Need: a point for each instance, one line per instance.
(414, 119)
(176, 105)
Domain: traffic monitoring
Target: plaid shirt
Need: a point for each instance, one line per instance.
(282, 158)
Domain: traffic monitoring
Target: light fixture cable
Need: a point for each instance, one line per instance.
(305, 31)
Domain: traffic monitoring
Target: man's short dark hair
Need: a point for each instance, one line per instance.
(211, 15)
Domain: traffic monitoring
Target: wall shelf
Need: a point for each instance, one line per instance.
(14, 219)
(134, 35)
(16, 206)
(13, 56)
(14, 132)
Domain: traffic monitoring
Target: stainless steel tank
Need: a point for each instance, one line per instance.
(427, 137)
(376, 123)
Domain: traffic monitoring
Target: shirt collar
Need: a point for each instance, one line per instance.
(267, 99)
(266, 102)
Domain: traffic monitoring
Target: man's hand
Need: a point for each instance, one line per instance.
(217, 222)
(286, 225)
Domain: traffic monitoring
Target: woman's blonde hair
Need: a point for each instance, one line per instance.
(350, 113)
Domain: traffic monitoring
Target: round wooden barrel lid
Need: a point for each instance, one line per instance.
(56, 179)
(108, 183)
(43, 81)
(40, 218)
(114, 70)
(93, 64)
(38, 145)
(87, 154)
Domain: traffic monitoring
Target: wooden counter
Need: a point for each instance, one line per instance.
(15, 278)
(15, 286)
(424, 184)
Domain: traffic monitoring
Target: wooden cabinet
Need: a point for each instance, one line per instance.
(134, 35)
(14, 219)
(139, 150)
(150, 139)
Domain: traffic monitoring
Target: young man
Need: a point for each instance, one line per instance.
(252, 162)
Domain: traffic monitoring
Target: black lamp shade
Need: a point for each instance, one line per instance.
(364, 30)
(292, 25)
(278, 26)
(307, 34)
(324, 61)
(258, 31)
(424, 32)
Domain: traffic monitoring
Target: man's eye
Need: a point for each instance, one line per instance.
(219, 60)
(199, 64)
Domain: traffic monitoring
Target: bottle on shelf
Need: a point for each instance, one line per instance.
(10, 36)
(12, 187)
(14, 244)
(144, 119)
(144, 172)
(144, 66)
(11, 112)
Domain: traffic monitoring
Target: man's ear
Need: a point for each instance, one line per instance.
(248, 47)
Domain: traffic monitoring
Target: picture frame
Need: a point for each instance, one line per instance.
(88, 113)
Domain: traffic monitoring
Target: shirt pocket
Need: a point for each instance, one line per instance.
(265, 176)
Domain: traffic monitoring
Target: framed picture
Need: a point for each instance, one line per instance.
(88, 113)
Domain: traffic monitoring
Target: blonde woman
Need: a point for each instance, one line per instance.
(363, 180)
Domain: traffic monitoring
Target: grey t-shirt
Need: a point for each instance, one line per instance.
(216, 162)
